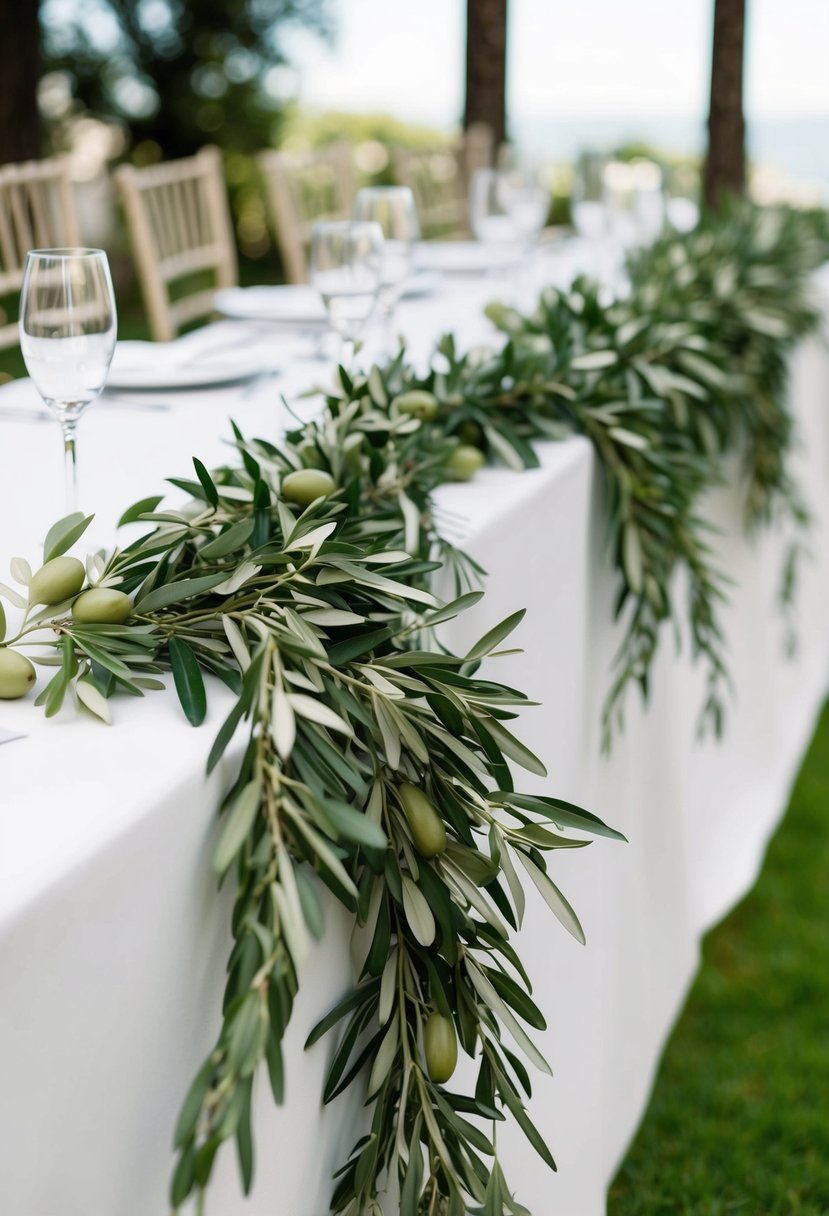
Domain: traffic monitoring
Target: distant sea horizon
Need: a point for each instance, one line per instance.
(793, 145)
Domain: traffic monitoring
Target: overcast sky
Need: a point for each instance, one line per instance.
(566, 57)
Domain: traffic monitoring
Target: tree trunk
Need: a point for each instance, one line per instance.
(19, 74)
(486, 65)
(725, 163)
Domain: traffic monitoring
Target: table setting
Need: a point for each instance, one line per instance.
(109, 845)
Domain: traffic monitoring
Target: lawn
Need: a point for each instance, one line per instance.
(739, 1118)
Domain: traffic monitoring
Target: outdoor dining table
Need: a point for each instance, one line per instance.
(113, 941)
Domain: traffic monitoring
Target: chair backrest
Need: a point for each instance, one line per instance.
(181, 236)
(37, 211)
(302, 188)
(439, 179)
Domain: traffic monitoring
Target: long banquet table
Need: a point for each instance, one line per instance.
(113, 941)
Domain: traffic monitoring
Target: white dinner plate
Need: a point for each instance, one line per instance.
(459, 257)
(157, 366)
(290, 305)
(298, 304)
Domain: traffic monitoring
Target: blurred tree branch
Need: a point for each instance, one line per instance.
(725, 162)
(486, 65)
(20, 132)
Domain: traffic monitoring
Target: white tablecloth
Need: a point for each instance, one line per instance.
(112, 939)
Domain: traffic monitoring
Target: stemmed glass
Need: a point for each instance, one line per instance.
(490, 217)
(393, 208)
(346, 269)
(587, 198)
(67, 336)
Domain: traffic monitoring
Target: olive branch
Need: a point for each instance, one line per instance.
(373, 758)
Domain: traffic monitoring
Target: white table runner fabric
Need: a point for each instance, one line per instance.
(112, 939)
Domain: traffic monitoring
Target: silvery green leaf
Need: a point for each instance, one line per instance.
(313, 539)
(418, 913)
(595, 361)
(503, 449)
(326, 856)
(62, 535)
(21, 571)
(241, 575)
(475, 897)
(381, 683)
(376, 387)
(317, 711)
(332, 617)
(286, 895)
(237, 642)
(411, 522)
(632, 557)
(553, 897)
(389, 732)
(283, 723)
(505, 1015)
(387, 988)
(494, 636)
(629, 438)
(14, 597)
(89, 695)
(384, 1058)
(239, 819)
(513, 882)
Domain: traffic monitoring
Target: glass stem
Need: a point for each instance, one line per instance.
(348, 354)
(389, 335)
(70, 462)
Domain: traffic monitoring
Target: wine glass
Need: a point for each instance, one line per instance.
(67, 337)
(587, 199)
(489, 209)
(346, 269)
(393, 208)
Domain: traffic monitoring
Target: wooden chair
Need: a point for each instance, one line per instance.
(439, 180)
(302, 188)
(181, 235)
(37, 211)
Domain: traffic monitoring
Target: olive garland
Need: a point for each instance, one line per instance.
(377, 761)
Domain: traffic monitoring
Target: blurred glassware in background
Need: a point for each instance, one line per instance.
(393, 209)
(587, 197)
(68, 328)
(635, 201)
(346, 269)
(528, 202)
(489, 211)
(682, 192)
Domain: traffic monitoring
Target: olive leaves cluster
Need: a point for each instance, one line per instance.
(689, 366)
(365, 755)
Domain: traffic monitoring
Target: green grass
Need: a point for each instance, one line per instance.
(739, 1118)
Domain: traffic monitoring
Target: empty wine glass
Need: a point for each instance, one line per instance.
(393, 208)
(67, 336)
(587, 199)
(346, 269)
(489, 210)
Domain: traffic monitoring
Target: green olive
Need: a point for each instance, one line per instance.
(472, 433)
(57, 580)
(427, 828)
(464, 462)
(17, 675)
(102, 606)
(440, 1047)
(418, 404)
(307, 485)
(2, 622)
